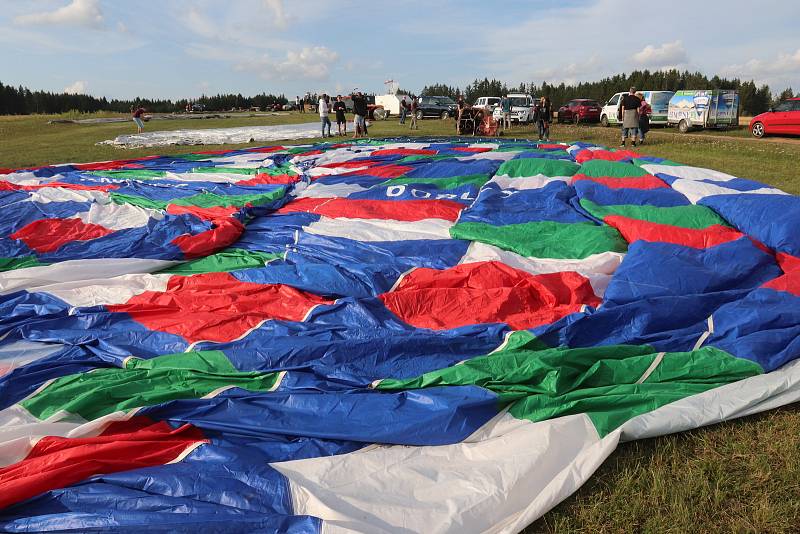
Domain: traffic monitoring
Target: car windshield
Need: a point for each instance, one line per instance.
(589, 103)
(660, 99)
(493, 101)
(520, 101)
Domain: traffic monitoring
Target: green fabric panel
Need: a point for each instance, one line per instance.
(232, 259)
(597, 168)
(203, 200)
(598, 381)
(188, 375)
(442, 183)
(638, 161)
(130, 174)
(545, 239)
(691, 216)
(226, 170)
(22, 262)
(423, 157)
(522, 167)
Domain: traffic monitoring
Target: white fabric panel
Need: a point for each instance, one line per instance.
(29, 178)
(529, 182)
(77, 270)
(496, 156)
(19, 353)
(696, 191)
(689, 173)
(59, 194)
(380, 229)
(509, 471)
(214, 177)
(119, 216)
(104, 291)
(316, 190)
(598, 268)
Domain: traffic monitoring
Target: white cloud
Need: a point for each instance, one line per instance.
(77, 13)
(774, 72)
(667, 55)
(278, 13)
(309, 63)
(77, 88)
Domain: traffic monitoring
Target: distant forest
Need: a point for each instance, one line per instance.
(23, 101)
(754, 100)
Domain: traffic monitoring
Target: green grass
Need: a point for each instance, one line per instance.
(738, 476)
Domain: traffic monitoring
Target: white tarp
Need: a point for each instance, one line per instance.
(217, 136)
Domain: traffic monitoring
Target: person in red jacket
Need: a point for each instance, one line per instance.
(137, 118)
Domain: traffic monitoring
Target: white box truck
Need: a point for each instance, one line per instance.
(706, 108)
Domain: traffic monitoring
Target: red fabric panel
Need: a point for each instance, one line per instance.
(110, 165)
(309, 153)
(546, 146)
(8, 186)
(471, 149)
(398, 210)
(264, 178)
(635, 230)
(487, 292)
(47, 235)
(404, 152)
(608, 155)
(207, 214)
(56, 462)
(644, 182)
(216, 306)
(226, 231)
(381, 171)
(790, 280)
(266, 149)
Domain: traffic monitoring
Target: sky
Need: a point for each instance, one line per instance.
(185, 48)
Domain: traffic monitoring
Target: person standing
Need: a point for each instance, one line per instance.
(341, 121)
(323, 108)
(403, 109)
(462, 105)
(360, 110)
(543, 118)
(137, 118)
(644, 117)
(629, 109)
(505, 109)
(298, 103)
(414, 109)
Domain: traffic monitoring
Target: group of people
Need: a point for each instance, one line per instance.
(409, 104)
(634, 115)
(325, 106)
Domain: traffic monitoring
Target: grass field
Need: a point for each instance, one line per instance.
(739, 476)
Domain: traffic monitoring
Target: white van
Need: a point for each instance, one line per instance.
(521, 108)
(658, 100)
(487, 102)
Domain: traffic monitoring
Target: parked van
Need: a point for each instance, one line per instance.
(708, 108)
(658, 100)
(487, 102)
(521, 108)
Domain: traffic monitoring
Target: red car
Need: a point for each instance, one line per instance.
(783, 119)
(579, 110)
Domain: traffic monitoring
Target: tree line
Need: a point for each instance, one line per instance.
(22, 101)
(753, 99)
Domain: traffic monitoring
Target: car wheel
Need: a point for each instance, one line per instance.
(380, 114)
(444, 115)
(419, 115)
(604, 121)
(683, 126)
(758, 130)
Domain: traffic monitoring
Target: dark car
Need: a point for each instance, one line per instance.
(782, 119)
(579, 110)
(436, 106)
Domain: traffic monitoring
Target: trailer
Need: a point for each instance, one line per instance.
(711, 108)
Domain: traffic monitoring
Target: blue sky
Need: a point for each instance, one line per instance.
(183, 48)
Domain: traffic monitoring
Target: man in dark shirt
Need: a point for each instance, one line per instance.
(360, 110)
(341, 121)
(629, 107)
